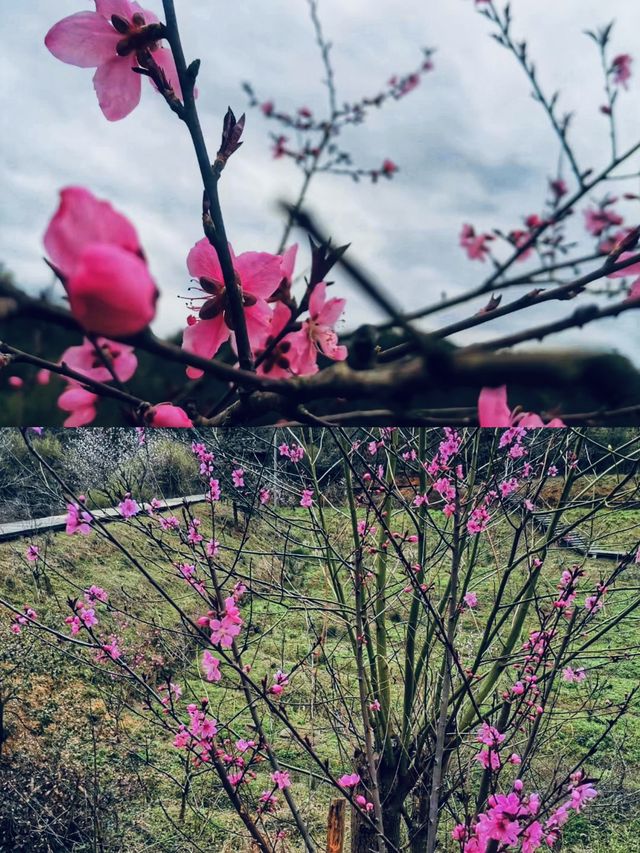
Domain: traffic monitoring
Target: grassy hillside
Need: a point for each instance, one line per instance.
(83, 733)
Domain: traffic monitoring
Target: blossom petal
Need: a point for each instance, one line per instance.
(82, 219)
(76, 397)
(81, 417)
(149, 17)
(288, 262)
(331, 312)
(85, 39)
(493, 410)
(111, 292)
(633, 269)
(84, 359)
(168, 415)
(317, 299)
(304, 354)
(260, 273)
(125, 362)
(635, 290)
(81, 405)
(258, 320)
(530, 420)
(328, 343)
(204, 338)
(118, 87)
(281, 316)
(202, 262)
(123, 8)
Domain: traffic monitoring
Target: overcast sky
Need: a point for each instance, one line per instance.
(471, 144)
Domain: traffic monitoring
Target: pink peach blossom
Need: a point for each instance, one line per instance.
(259, 275)
(80, 404)
(493, 411)
(282, 779)
(597, 220)
(318, 331)
(113, 39)
(475, 245)
(78, 520)
(281, 359)
(621, 69)
(97, 253)
(349, 780)
(168, 415)
(86, 360)
(211, 667)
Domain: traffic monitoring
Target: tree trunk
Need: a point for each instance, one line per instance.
(364, 838)
(363, 835)
(420, 816)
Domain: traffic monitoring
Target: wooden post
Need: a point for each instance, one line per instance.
(335, 826)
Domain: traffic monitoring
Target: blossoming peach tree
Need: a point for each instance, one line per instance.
(267, 333)
(452, 623)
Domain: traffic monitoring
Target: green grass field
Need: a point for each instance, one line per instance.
(73, 715)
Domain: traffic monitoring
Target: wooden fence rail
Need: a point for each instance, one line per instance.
(35, 526)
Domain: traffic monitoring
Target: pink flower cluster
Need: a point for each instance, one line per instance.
(349, 780)
(205, 457)
(78, 520)
(513, 820)
(84, 615)
(595, 602)
(294, 452)
(262, 278)
(621, 69)
(211, 666)
(478, 520)
(509, 820)
(574, 676)
(224, 627)
(306, 499)
(581, 793)
(280, 681)
(491, 738)
(193, 534)
(199, 735)
(475, 245)
(568, 588)
(95, 594)
(281, 779)
(21, 619)
(214, 494)
(96, 254)
(102, 361)
(265, 496)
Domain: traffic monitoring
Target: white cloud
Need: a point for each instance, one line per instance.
(471, 144)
